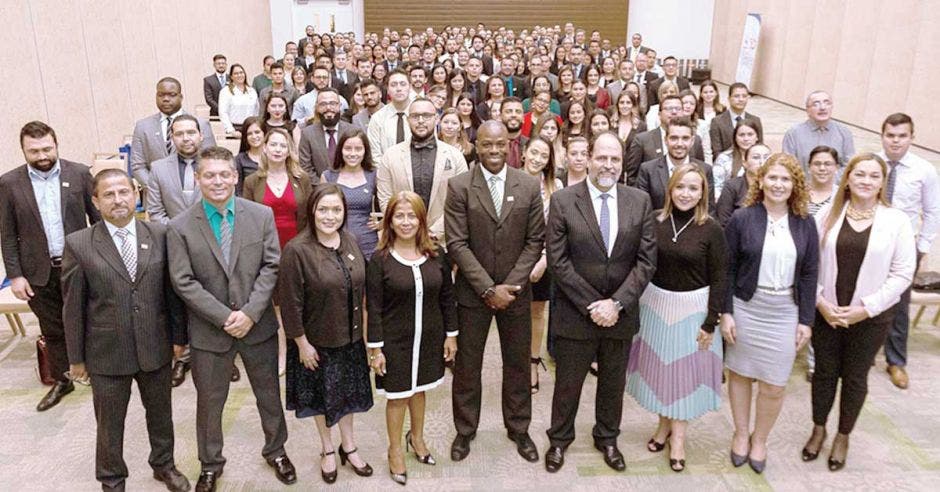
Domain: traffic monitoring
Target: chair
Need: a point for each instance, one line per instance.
(11, 307)
(107, 160)
(922, 299)
(232, 144)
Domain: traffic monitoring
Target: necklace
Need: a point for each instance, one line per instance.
(855, 214)
(675, 234)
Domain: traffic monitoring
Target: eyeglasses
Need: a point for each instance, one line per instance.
(421, 116)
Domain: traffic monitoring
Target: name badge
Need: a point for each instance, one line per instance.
(351, 257)
(65, 184)
(144, 246)
(509, 198)
(659, 151)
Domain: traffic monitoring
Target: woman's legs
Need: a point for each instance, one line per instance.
(769, 403)
(349, 441)
(677, 439)
(327, 462)
(538, 329)
(739, 393)
(394, 421)
(416, 410)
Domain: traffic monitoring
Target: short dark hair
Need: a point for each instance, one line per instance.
(368, 83)
(218, 56)
(737, 85)
(171, 80)
(669, 98)
(670, 57)
(896, 119)
(217, 153)
(682, 121)
(185, 117)
(266, 58)
(37, 129)
(820, 149)
(414, 67)
(327, 90)
(289, 43)
(356, 132)
(397, 71)
(510, 99)
(108, 174)
(277, 64)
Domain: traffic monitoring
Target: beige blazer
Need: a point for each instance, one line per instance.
(394, 175)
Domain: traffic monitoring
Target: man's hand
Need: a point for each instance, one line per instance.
(21, 289)
(604, 313)
(238, 324)
(503, 295)
(450, 348)
(77, 372)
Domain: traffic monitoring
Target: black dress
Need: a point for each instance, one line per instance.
(411, 310)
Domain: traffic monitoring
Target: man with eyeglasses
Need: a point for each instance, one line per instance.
(305, 108)
(422, 164)
(650, 145)
(670, 73)
(819, 129)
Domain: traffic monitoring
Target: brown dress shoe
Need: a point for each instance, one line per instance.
(898, 376)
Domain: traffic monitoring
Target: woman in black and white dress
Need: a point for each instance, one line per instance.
(412, 323)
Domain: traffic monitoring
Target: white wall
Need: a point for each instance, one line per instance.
(681, 28)
(289, 18)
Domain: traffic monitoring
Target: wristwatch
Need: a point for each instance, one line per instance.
(618, 304)
(488, 292)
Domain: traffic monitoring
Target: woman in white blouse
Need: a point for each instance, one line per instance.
(237, 100)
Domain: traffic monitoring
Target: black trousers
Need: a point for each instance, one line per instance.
(46, 304)
(572, 362)
(515, 336)
(212, 373)
(111, 395)
(847, 354)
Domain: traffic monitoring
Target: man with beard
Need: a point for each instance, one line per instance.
(305, 108)
(387, 126)
(654, 175)
(651, 144)
(512, 115)
(423, 165)
(495, 227)
(318, 140)
(599, 283)
(122, 320)
(372, 95)
(41, 202)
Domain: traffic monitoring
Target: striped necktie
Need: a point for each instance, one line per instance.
(169, 135)
(128, 255)
(225, 230)
(892, 179)
(496, 194)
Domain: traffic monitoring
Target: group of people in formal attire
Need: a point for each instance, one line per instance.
(377, 221)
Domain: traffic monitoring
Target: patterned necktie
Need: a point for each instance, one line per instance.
(400, 129)
(169, 139)
(496, 194)
(331, 144)
(128, 255)
(892, 179)
(226, 235)
(605, 221)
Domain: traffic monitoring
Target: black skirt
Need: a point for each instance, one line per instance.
(340, 385)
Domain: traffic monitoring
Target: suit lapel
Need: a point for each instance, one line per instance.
(144, 248)
(663, 168)
(27, 194)
(65, 186)
(105, 246)
(658, 141)
(243, 226)
(586, 207)
(440, 167)
(512, 182)
(209, 236)
(482, 192)
(622, 212)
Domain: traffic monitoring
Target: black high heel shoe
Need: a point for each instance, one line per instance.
(536, 361)
(364, 471)
(834, 464)
(654, 447)
(812, 455)
(331, 476)
(426, 459)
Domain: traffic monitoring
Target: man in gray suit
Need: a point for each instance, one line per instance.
(122, 320)
(172, 186)
(602, 251)
(151, 141)
(625, 71)
(223, 256)
(372, 95)
(318, 140)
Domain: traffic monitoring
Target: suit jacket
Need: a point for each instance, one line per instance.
(582, 270)
(115, 325)
(165, 198)
(733, 194)
(647, 146)
(212, 289)
(519, 87)
(345, 88)
(654, 177)
(476, 89)
(388, 69)
(210, 89)
(652, 88)
(614, 89)
(22, 237)
(255, 186)
(721, 131)
(491, 250)
(314, 154)
(149, 145)
(641, 49)
(361, 120)
(394, 174)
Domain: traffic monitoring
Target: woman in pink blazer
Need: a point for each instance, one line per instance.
(867, 258)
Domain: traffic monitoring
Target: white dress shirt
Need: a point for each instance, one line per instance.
(166, 120)
(917, 194)
(235, 106)
(611, 207)
(778, 258)
(500, 181)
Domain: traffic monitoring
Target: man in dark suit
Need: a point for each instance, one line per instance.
(41, 202)
(476, 51)
(721, 131)
(309, 34)
(391, 59)
(223, 255)
(213, 84)
(515, 85)
(475, 85)
(652, 144)
(122, 321)
(654, 175)
(343, 80)
(494, 225)
(671, 69)
(602, 252)
(636, 47)
(318, 140)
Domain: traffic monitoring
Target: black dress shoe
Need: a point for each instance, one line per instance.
(59, 389)
(525, 446)
(179, 372)
(612, 457)
(236, 375)
(283, 469)
(461, 447)
(554, 458)
(207, 481)
(173, 479)
(113, 488)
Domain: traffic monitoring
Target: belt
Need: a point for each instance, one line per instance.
(56, 261)
(774, 290)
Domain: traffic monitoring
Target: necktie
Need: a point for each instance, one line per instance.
(331, 144)
(605, 221)
(343, 76)
(892, 179)
(512, 158)
(737, 120)
(496, 194)
(222, 80)
(128, 255)
(226, 235)
(169, 139)
(400, 129)
(509, 86)
(189, 180)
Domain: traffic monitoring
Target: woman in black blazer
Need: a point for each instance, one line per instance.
(735, 190)
(772, 269)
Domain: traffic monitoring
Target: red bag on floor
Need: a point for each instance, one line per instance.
(45, 365)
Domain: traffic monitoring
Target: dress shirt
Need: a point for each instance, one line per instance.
(215, 218)
(131, 229)
(342, 75)
(183, 162)
(611, 207)
(235, 106)
(165, 122)
(802, 138)
(422, 167)
(671, 165)
(778, 256)
(221, 77)
(46, 188)
(383, 128)
(917, 194)
(500, 182)
(306, 106)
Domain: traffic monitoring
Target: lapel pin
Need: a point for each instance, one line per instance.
(659, 151)
(144, 246)
(448, 166)
(65, 184)
(351, 257)
(509, 198)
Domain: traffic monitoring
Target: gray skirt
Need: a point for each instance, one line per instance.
(765, 345)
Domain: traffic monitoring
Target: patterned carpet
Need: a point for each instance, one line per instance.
(896, 444)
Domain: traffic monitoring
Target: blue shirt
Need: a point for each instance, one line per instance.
(215, 218)
(49, 199)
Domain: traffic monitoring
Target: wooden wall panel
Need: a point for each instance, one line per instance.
(607, 16)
